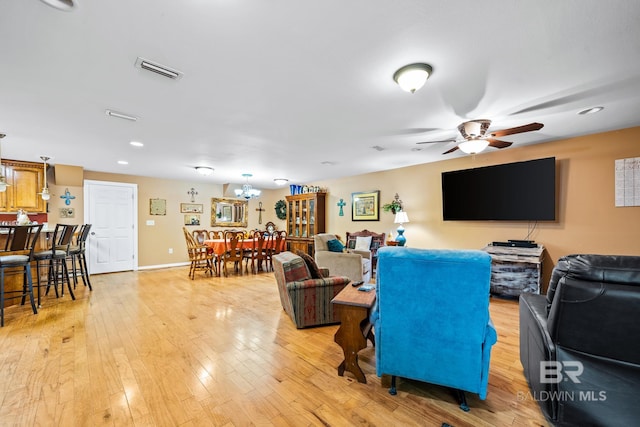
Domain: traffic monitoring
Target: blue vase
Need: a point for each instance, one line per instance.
(292, 189)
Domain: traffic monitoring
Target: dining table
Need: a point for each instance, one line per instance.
(217, 245)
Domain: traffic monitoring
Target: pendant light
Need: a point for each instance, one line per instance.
(3, 181)
(45, 190)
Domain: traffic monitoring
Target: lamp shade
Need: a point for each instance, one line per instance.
(473, 146)
(401, 218)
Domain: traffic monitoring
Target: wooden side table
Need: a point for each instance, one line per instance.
(353, 307)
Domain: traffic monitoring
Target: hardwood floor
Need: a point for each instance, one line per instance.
(154, 348)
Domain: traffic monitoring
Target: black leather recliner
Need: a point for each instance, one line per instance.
(580, 344)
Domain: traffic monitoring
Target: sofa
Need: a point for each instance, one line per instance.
(305, 298)
(431, 318)
(376, 241)
(351, 264)
(580, 343)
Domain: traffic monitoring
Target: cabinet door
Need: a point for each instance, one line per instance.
(25, 184)
(4, 206)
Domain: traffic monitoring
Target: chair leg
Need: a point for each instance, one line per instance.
(30, 288)
(84, 271)
(65, 272)
(1, 297)
(392, 390)
(463, 400)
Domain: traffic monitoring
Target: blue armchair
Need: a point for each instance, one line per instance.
(431, 318)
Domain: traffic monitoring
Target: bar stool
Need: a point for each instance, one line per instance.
(16, 256)
(77, 253)
(56, 258)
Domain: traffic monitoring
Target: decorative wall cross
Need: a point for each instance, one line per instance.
(193, 193)
(67, 197)
(259, 210)
(341, 203)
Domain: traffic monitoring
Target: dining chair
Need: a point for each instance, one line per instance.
(16, 256)
(200, 236)
(215, 235)
(77, 254)
(261, 243)
(56, 260)
(278, 244)
(233, 250)
(201, 258)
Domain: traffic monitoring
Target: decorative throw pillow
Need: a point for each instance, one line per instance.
(335, 245)
(311, 264)
(363, 243)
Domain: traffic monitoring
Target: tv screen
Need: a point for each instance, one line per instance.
(521, 191)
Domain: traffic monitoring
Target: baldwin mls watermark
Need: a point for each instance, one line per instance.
(554, 372)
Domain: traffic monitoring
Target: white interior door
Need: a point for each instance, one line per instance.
(111, 209)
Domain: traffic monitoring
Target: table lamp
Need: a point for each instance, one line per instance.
(401, 218)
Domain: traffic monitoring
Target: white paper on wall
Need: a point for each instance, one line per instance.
(627, 182)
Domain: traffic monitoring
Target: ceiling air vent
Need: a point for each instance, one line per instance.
(163, 70)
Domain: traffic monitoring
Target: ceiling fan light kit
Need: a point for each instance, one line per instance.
(413, 76)
(477, 138)
(473, 146)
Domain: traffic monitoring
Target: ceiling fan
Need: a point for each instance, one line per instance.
(476, 137)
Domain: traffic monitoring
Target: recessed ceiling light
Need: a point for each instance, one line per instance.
(591, 110)
(136, 144)
(123, 162)
(120, 115)
(64, 5)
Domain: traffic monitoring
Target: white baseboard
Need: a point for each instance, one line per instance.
(155, 267)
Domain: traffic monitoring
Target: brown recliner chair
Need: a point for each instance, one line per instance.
(580, 344)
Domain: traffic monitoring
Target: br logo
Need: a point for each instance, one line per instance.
(553, 372)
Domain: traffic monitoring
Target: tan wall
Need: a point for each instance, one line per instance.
(588, 221)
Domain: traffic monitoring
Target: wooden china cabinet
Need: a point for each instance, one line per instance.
(305, 218)
(25, 180)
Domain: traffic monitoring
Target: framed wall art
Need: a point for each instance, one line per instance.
(365, 206)
(192, 219)
(157, 206)
(191, 208)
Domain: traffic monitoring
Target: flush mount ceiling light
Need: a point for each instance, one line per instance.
(157, 68)
(204, 170)
(123, 162)
(247, 191)
(591, 110)
(136, 144)
(64, 5)
(413, 76)
(119, 115)
(280, 181)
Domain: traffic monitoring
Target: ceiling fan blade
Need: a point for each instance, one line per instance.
(519, 129)
(433, 142)
(496, 143)
(451, 151)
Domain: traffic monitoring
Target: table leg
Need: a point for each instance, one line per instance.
(351, 336)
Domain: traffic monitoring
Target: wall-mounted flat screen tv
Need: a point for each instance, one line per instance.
(521, 191)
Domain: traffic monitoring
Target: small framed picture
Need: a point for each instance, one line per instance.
(192, 219)
(365, 206)
(191, 208)
(157, 206)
